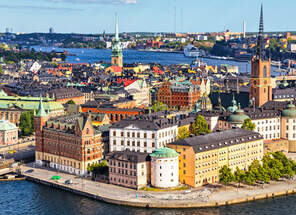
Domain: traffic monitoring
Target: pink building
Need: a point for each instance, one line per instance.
(8, 133)
(129, 169)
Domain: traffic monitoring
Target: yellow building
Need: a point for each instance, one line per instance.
(202, 156)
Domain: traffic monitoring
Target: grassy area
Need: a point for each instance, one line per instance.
(163, 190)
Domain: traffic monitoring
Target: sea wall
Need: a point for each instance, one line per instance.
(161, 203)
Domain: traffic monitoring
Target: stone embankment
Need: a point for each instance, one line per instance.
(196, 198)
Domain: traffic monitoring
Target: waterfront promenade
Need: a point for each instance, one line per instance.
(195, 198)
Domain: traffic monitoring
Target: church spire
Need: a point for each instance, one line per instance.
(116, 28)
(260, 52)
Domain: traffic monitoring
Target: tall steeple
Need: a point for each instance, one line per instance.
(116, 28)
(116, 58)
(41, 111)
(260, 52)
(260, 80)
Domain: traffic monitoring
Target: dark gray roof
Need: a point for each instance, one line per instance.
(129, 156)
(220, 139)
(146, 122)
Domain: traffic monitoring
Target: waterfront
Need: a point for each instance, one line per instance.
(23, 197)
(84, 55)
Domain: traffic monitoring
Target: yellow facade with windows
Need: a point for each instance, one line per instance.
(199, 164)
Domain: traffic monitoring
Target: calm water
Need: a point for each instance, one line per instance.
(131, 56)
(23, 197)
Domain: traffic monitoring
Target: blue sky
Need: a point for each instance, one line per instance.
(94, 16)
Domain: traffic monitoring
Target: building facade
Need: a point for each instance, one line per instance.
(178, 96)
(8, 133)
(143, 133)
(201, 157)
(129, 169)
(68, 143)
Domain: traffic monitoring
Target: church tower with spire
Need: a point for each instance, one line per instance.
(260, 81)
(116, 57)
(39, 121)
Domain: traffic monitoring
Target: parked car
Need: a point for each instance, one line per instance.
(69, 181)
(29, 171)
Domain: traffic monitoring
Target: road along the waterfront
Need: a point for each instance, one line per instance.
(177, 199)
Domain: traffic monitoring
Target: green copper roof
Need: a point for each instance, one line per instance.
(28, 103)
(41, 112)
(164, 152)
(233, 108)
(238, 117)
(5, 125)
(290, 111)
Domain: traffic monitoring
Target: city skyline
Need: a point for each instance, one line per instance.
(95, 16)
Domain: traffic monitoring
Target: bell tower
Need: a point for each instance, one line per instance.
(260, 81)
(116, 58)
(39, 121)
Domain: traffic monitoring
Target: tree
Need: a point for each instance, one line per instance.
(183, 133)
(249, 178)
(27, 123)
(200, 126)
(71, 102)
(98, 168)
(159, 106)
(248, 125)
(225, 175)
(239, 176)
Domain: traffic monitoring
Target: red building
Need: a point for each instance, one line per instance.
(178, 96)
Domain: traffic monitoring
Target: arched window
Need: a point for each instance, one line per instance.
(87, 130)
(264, 72)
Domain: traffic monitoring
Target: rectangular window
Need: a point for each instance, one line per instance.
(145, 144)
(138, 135)
(114, 133)
(138, 143)
(145, 135)
(153, 136)
(122, 133)
(114, 142)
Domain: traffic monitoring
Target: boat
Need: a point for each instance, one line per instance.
(192, 51)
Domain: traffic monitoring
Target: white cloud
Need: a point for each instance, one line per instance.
(97, 1)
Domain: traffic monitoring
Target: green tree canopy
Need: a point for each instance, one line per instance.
(248, 125)
(200, 126)
(159, 106)
(99, 168)
(71, 102)
(183, 133)
(27, 123)
(239, 175)
(225, 175)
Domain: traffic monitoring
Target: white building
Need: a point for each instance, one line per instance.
(144, 133)
(140, 92)
(164, 168)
